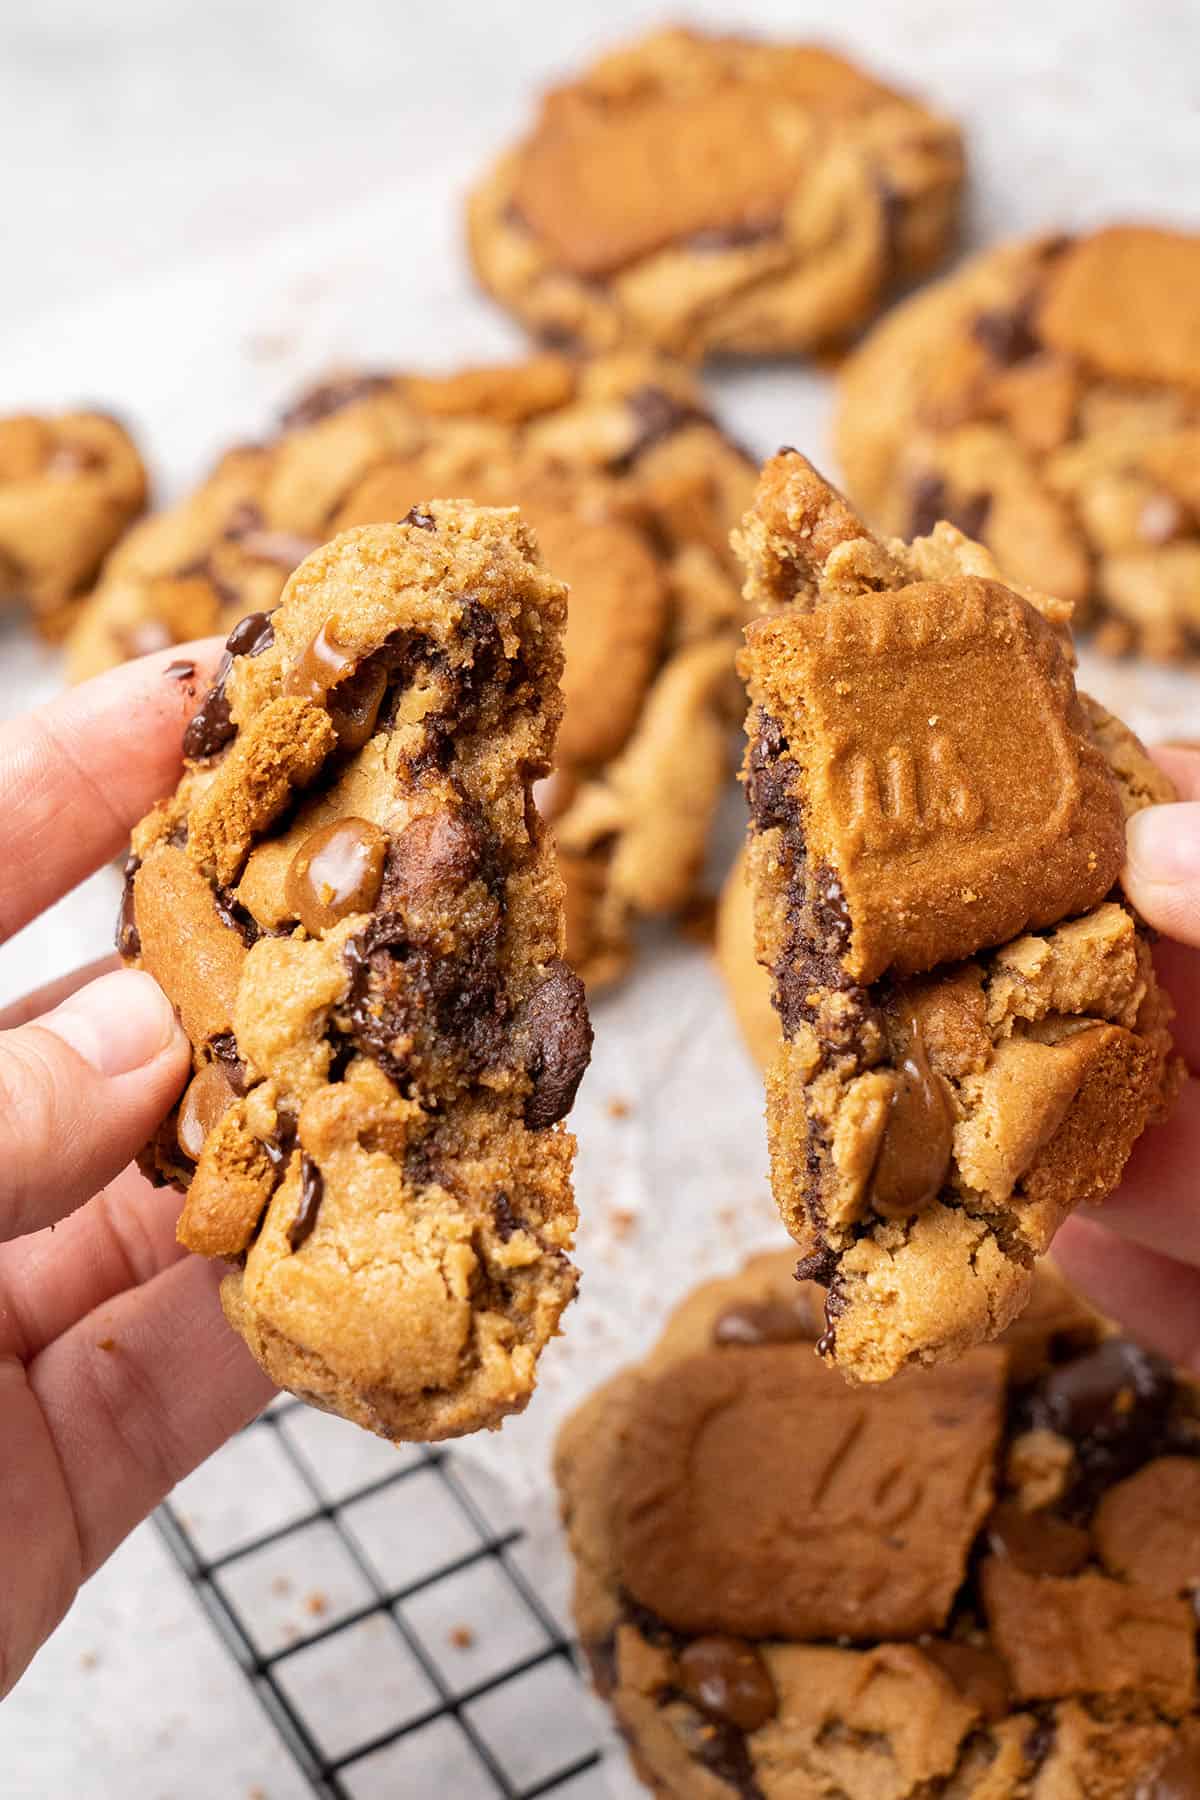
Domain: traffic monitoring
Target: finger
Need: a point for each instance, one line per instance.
(81, 1090)
(140, 1392)
(78, 773)
(120, 1239)
(1178, 968)
(1158, 1201)
(1182, 763)
(31, 1006)
(1162, 870)
(1155, 1298)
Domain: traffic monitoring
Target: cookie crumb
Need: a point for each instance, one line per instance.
(107, 1343)
(281, 1585)
(89, 1660)
(623, 1221)
(316, 1603)
(462, 1637)
(619, 1108)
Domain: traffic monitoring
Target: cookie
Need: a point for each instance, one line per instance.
(354, 906)
(747, 983)
(715, 195)
(1046, 398)
(632, 489)
(69, 486)
(975, 1583)
(972, 1034)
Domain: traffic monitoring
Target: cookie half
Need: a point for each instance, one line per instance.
(632, 489)
(715, 194)
(69, 487)
(1046, 399)
(353, 904)
(973, 1584)
(972, 1033)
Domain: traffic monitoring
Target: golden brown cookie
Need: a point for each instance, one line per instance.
(353, 903)
(69, 486)
(972, 1033)
(631, 488)
(1046, 398)
(788, 1589)
(715, 194)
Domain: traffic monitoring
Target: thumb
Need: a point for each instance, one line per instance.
(81, 1089)
(1162, 873)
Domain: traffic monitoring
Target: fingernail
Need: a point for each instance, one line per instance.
(1164, 843)
(119, 1023)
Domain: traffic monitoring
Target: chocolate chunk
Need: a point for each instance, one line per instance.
(764, 1322)
(324, 661)
(410, 1003)
(251, 635)
(769, 786)
(225, 1048)
(504, 1218)
(1177, 1777)
(557, 1034)
(279, 1147)
(1008, 337)
(212, 727)
(918, 1138)
(206, 1100)
(312, 1192)
(330, 397)
(128, 941)
(1114, 1405)
(235, 916)
(180, 671)
(657, 415)
(425, 521)
(979, 1675)
(1038, 1542)
(337, 871)
(727, 1678)
(437, 854)
(819, 1266)
(931, 502)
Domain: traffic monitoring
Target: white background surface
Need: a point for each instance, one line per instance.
(206, 203)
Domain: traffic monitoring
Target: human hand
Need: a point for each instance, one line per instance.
(118, 1373)
(1138, 1255)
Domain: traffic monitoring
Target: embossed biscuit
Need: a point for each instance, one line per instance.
(713, 194)
(1046, 398)
(938, 757)
(925, 782)
(354, 905)
(631, 487)
(730, 1506)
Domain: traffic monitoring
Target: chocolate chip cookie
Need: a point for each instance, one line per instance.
(747, 983)
(632, 489)
(1046, 398)
(713, 194)
(972, 1033)
(977, 1583)
(353, 903)
(69, 486)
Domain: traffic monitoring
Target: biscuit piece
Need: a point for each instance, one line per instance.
(353, 903)
(632, 490)
(1046, 398)
(781, 1598)
(715, 194)
(973, 1036)
(69, 486)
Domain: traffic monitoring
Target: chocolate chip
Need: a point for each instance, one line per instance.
(657, 415)
(1007, 336)
(931, 502)
(423, 520)
(819, 1266)
(437, 854)
(312, 1192)
(753, 1322)
(337, 871)
(556, 1035)
(504, 1218)
(1114, 1405)
(180, 671)
(1176, 1777)
(251, 635)
(129, 942)
(213, 727)
(727, 1678)
(1039, 1542)
(206, 1100)
(330, 397)
(979, 1675)
(235, 917)
(225, 1048)
(279, 1147)
(918, 1137)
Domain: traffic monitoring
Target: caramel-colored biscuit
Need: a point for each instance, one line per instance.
(1045, 399)
(69, 486)
(925, 783)
(711, 194)
(354, 905)
(632, 490)
(732, 1507)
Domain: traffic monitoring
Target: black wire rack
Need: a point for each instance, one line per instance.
(378, 1607)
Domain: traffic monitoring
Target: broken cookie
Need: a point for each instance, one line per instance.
(353, 903)
(780, 1600)
(972, 1033)
(710, 194)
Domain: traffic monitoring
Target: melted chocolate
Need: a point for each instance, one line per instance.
(657, 416)
(330, 397)
(312, 1192)
(1115, 1405)
(129, 942)
(337, 871)
(212, 728)
(727, 1678)
(931, 502)
(556, 1036)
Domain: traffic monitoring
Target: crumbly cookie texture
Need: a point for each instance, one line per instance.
(1046, 398)
(632, 489)
(713, 194)
(973, 1584)
(69, 486)
(972, 1033)
(353, 903)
